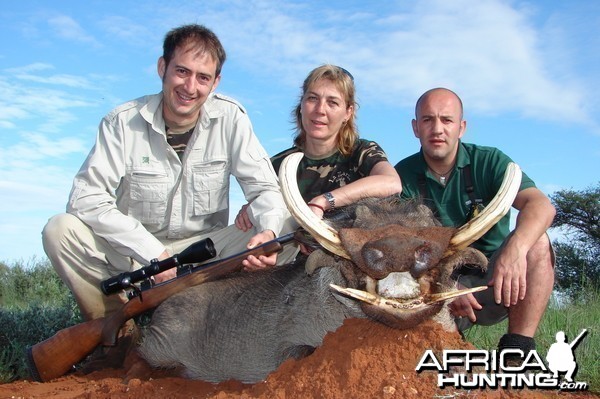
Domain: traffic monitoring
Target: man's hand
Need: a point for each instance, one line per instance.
(167, 274)
(242, 220)
(252, 263)
(464, 305)
(305, 250)
(510, 276)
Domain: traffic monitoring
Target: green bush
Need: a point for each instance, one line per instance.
(21, 328)
(34, 282)
(35, 304)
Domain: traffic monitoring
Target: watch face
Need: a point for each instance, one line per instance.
(329, 197)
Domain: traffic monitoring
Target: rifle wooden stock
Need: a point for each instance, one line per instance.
(58, 354)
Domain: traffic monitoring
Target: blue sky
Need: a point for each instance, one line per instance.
(528, 73)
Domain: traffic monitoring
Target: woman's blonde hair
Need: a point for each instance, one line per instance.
(344, 82)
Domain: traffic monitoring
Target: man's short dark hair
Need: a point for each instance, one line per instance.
(203, 38)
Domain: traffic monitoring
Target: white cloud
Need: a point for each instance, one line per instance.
(37, 149)
(125, 29)
(490, 51)
(22, 99)
(35, 67)
(67, 28)
(56, 148)
(61, 79)
(36, 174)
(35, 166)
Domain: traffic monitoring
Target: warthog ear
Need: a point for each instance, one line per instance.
(363, 214)
(317, 259)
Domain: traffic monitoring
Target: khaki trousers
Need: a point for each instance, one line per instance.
(83, 260)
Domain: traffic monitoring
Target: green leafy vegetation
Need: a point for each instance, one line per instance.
(35, 304)
(578, 257)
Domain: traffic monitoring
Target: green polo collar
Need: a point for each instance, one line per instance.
(462, 160)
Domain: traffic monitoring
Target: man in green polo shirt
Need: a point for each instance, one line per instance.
(457, 180)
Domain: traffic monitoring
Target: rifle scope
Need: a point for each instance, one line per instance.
(195, 253)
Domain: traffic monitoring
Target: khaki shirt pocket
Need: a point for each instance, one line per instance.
(148, 192)
(211, 186)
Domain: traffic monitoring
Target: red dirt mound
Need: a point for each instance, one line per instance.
(362, 359)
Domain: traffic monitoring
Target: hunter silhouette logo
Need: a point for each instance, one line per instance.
(560, 356)
(500, 371)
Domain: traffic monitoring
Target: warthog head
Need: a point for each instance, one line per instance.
(400, 257)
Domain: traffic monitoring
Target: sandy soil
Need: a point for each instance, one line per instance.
(362, 359)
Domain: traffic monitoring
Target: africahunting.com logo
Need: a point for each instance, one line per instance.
(481, 369)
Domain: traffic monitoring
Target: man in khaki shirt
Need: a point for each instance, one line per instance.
(157, 179)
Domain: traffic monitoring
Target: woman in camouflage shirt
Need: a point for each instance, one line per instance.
(338, 167)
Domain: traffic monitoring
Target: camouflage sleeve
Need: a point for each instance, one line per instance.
(369, 154)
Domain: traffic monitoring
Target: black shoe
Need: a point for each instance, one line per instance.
(515, 341)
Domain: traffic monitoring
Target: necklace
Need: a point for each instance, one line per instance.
(442, 177)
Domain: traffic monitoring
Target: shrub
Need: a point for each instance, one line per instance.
(20, 329)
(35, 282)
(35, 305)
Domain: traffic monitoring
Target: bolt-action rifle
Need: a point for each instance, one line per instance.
(58, 354)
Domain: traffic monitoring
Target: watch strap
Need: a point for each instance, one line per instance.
(330, 199)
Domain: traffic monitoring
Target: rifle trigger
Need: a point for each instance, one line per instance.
(137, 291)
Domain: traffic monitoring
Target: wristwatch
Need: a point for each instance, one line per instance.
(330, 199)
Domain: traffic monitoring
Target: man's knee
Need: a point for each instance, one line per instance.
(541, 259)
(69, 242)
(56, 229)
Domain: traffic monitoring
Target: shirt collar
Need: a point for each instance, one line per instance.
(462, 158)
(152, 112)
(209, 111)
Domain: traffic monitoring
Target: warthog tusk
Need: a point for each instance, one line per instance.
(496, 209)
(326, 235)
(409, 304)
(443, 296)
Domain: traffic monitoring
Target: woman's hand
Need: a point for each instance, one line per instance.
(242, 220)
